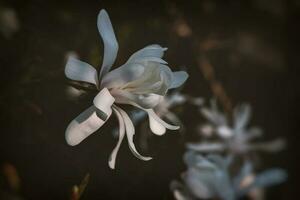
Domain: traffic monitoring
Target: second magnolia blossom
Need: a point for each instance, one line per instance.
(142, 81)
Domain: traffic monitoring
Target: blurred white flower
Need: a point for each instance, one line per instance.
(235, 137)
(142, 81)
(209, 177)
(9, 23)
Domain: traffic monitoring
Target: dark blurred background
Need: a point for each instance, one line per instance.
(251, 44)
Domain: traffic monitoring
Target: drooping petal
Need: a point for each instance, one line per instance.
(113, 155)
(110, 42)
(83, 125)
(154, 50)
(81, 71)
(156, 127)
(130, 131)
(160, 123)
(178, 79)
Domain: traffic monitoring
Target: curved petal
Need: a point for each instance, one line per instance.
(110, 42)
(154, 116)
(103, 101)
(153, 50)
(156, 127)
(178, 79)
(113, 155)
(83, 125)
(130, 133)
(81, 71)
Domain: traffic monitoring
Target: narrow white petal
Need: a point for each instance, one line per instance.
(81, 71)
(241, 116)
(130, 133)
(83, 125)
(113, 155)
(178, 79)
(110, 42)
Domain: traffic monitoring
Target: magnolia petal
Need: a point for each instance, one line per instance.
(113, 155)
(172, 117)
(130, 133)
(83, 125)
(151, 59)
(103, 101)
(245, 171)
(154, 116)
(178, 79)
(81, 71)
(110, 42)
(156, 78)
(156, 127)
(241, 116)
(122, 75)
(270, 177)
(192, 159)
(206, 147)
(214, 116)
(154, 50)
(200, 183)
(144, 101)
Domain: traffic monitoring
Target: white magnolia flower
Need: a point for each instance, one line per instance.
(209, 177)
(142, 82)
(235, 137)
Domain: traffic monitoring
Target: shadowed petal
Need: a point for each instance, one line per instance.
(110, 42)
(103, 101)
(83, 125)
(113, 155)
